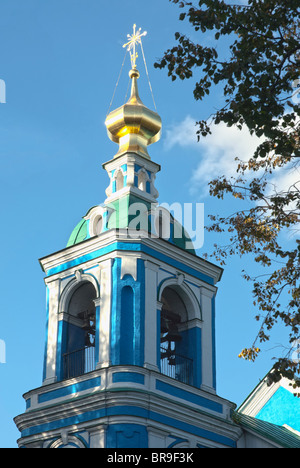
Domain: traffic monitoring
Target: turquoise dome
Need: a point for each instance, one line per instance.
(81, 233)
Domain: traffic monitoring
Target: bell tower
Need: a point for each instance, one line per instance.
(130, 330)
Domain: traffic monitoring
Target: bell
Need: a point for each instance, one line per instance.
(88, 318)
(171, 316)
(173, 333)
(171, 337)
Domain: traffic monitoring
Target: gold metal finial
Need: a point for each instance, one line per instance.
(133, 126)
(135, 38)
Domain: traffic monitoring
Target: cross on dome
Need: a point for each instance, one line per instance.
(135, 38)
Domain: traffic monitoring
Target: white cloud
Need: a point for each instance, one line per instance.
(283, 180)
(217, 152)
(182, 134)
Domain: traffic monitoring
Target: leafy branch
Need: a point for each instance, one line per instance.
(257, 67)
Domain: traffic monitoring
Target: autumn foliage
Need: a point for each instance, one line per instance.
(258, 67)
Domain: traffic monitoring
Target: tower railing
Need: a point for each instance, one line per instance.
(176, 366)
(82, 360)
(78, 362)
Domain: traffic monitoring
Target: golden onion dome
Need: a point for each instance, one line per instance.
(133, 126)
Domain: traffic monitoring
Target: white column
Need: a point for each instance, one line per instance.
(207, 339)
(157, 437)
(151, 270)
(130, 173)
(54, 292)
(105, 308)
(97, 437)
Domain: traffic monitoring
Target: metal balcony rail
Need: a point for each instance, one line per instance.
(173, 365)
(176, 366)
(79, 362)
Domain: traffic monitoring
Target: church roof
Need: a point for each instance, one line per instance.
(278, 434)
(81, 233)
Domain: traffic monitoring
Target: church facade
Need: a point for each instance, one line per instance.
(130, 335)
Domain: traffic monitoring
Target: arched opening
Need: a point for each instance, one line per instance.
(119, 180)
(142, 180)
(79, 357)
(175, 348)
(98, 226)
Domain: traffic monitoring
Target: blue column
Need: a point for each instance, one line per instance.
(190, 347)
(62, 333)
(127, 316)
(127, 326)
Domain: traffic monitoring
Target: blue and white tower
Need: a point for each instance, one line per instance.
(130, 348)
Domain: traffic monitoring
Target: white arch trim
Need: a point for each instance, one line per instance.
(71, 442)
(78, 279)
(187, 295)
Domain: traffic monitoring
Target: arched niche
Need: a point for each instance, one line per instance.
(119, 178)
(185, 294)
(127, 325)
(142, 180)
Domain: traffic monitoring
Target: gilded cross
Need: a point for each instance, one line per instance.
(135, 38)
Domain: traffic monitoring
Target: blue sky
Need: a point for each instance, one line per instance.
(60, 61)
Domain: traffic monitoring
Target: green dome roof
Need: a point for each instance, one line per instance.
(79, 233)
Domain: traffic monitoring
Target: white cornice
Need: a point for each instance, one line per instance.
(258, 398)
(131, 191)
(107, 238)
(134, 158)
(125, 394)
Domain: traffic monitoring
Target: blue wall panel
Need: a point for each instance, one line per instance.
(127, 316)
(126, 436)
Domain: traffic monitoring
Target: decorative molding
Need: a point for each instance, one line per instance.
(180, 278)
(171, 252)
(67, 441)
(78, 275)
(191, 302)
(73, 283)
(129, 266)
